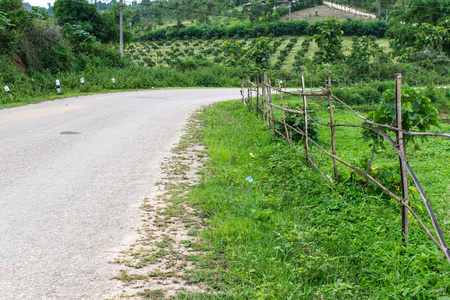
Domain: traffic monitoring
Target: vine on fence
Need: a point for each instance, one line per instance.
(415, 113)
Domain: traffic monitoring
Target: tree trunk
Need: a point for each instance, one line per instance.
(379, 8)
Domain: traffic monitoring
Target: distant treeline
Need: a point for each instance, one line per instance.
(351, 27)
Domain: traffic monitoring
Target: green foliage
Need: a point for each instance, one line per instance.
(190, 63)
(421, 11)
(432, 37)
(234, 54)
(256, 59)
(276, 29)
(359, 27)
(259, 56)
(364, 54)
(256, 10)
(104, 27)
(98, 71)
(298, 121)
(329, 41)
(358, 95)
(418, 114)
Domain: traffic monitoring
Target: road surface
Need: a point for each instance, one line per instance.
(73, 173)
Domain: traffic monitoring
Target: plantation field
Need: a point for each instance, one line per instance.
(164, 53)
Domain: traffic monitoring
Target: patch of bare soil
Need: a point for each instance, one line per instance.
(321, 13)
(156, 265)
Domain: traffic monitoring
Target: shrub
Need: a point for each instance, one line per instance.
(298, 121)
(358, 95)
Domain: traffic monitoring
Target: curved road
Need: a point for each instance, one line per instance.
(73, 173)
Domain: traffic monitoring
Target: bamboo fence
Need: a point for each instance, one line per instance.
(264, 108)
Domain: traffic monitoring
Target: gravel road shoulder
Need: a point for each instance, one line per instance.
(156, 264)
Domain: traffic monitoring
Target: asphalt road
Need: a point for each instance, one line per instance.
(73, 173)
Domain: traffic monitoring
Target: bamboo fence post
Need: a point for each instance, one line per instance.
(305, 115)
(265, 97)
(270, 108)
(242, 92)
(250, 92)
(257, 95)
(401, 145)
(333, 135)
(284, 118)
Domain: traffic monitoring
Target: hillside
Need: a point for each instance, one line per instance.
(321, 13)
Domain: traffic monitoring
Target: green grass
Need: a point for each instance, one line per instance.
(288, 235)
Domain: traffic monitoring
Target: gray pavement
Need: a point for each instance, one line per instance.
(73, 173)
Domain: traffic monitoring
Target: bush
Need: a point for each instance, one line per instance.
(358, 95)
(294, 28)
(298, 121)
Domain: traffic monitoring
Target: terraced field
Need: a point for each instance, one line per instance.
(164, 53)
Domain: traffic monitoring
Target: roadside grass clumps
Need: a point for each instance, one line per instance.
(158, 263)
(278, 231)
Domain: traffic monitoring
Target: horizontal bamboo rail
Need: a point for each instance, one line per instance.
(266, 108)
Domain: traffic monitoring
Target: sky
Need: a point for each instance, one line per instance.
(42, 3)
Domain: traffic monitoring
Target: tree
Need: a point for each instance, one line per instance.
(256, 59)
(433, 38)
(111, 30)
(256, 11)
(407, 14)
(81, 13)
(421, 11)
(259, 56)
(234, 54)
(329, 41)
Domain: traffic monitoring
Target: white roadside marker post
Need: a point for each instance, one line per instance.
(8, 91)
(58, 86)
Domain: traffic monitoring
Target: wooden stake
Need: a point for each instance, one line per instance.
(242, 92)
(305, 115)
(333, 136)
(250, 91)
(401, 144)
(284, 118)
(270, 115)
(257, 96)
(265, 97)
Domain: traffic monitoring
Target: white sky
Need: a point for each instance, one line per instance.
(42, 3)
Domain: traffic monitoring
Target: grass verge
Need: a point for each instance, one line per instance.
(284, 234)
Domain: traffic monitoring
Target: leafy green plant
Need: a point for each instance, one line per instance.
(329, 41)
(298, 121)
(418, 114)
(259, 56)
(234, 54)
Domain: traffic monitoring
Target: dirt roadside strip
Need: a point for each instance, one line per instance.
(322, 12)
(157, 265)
(348, 9)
